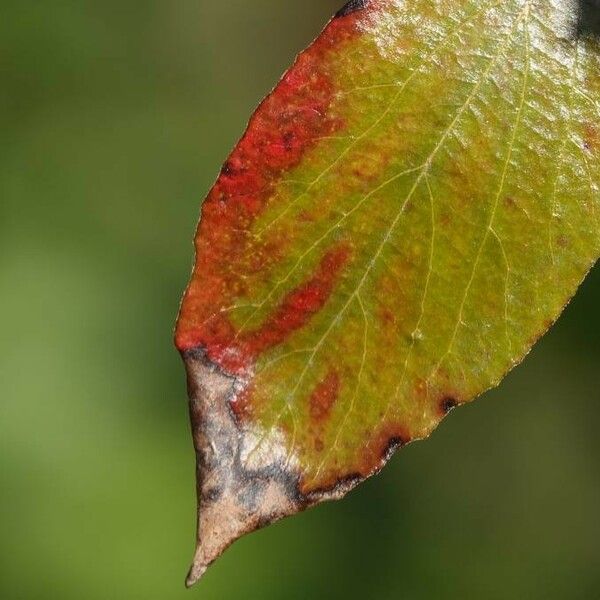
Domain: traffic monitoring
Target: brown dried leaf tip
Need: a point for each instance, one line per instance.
(236, 494)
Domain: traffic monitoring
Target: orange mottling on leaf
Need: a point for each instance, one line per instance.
(324, 396)
(591, 136)
(371, 457)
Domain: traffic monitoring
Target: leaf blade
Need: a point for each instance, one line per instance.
(369, 257)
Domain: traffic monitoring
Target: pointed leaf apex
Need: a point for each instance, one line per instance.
(239, 490)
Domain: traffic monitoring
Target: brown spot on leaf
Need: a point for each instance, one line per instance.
(591, 137)
(448, 404)
(393, 444)
(380, 447)
(306, 217)
(228, 169)
(445, 219)
(387, 316)
(351, 7)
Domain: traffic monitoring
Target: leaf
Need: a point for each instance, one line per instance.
(407, 213)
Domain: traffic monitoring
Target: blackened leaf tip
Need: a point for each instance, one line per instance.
(351, 7)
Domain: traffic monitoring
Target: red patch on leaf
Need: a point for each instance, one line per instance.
(241, 404)
(300, 304)
(324, 396)
(235, 352)
(287, 124)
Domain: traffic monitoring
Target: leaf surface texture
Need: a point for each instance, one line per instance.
(407, 213)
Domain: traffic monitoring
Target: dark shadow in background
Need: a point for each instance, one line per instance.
(589, 18)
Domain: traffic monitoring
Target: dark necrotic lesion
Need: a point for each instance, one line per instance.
(588, 23)
(351, 6)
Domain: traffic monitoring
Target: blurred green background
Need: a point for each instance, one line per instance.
(115, 118)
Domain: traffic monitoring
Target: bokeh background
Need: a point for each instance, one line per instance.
(115, 117)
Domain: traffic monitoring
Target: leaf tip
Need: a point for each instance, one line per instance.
(196, 572)
(236, 495)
